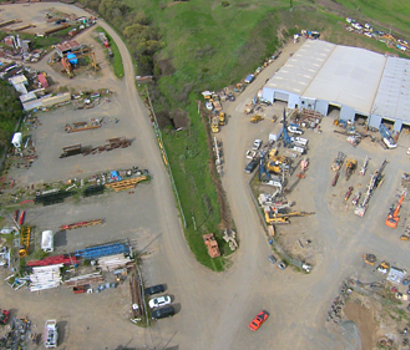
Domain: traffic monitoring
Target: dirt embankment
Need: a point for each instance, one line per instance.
(363, 317)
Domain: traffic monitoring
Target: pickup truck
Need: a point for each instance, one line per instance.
(294, 130)
(299, 149)
(251, 166)
(299, 141)
(389, 142)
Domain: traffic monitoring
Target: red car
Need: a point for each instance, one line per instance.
(258, 320)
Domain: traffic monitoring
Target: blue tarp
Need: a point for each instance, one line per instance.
(115, 176)
(72, 58)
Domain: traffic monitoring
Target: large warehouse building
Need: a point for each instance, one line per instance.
(359, 82)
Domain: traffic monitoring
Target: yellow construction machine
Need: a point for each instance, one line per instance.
(256, 118)
(369, 259)
(384, 267)
(271, 219)
(221, 118)
(351, 165)
(277, 163)
(215, 125)
(273, 152)
(276, 218)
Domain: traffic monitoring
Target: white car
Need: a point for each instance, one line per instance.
(256, 144)
(160, 301)
(294, 130)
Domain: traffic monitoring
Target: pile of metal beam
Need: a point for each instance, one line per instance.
(83, 280)
(99, 251)
(56, 259)
(114, 262)
(45, 277)
(81, 224)
(125, 184)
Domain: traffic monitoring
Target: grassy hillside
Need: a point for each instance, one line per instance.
(10, 114)
(394, 13)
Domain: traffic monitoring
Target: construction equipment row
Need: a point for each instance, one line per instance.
(81, 224)
(125, 184)
(118, 142)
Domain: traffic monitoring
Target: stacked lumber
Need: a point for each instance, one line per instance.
(45, 277)
(125, 184)
(114, 262)
(82, 280)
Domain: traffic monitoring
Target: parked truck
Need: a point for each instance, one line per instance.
(212, 245)
(51, 334)
(221, 118)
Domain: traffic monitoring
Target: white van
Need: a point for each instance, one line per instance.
(47, 241)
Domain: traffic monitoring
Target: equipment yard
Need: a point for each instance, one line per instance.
(321, 216)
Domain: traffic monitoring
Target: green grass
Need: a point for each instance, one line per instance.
(385, 12)
(116, 60)
(188, 157)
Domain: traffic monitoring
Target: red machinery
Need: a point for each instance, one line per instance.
(57, 259)
(22, 216)
(4, 316)
(393, 218)
(81, 224)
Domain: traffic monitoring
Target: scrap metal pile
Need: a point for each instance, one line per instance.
(82, 126)
(17, 337)
(118, 142)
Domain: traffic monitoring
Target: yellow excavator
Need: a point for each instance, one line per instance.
(277, 163)
(256, 118)
(276, 218)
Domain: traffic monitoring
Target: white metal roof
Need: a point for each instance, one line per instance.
(18, 79)
(300, 70)
(393, 97)
(350, 76)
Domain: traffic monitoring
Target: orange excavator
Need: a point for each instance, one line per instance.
(393, 218)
